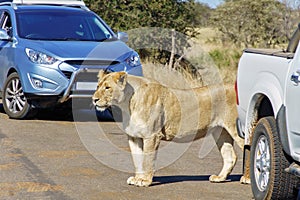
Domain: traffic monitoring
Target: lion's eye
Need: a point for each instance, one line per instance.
(107, 88)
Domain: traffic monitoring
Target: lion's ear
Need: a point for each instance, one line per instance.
(122, 80)
(101, 74)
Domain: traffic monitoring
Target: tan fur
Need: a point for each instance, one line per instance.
(152, 112)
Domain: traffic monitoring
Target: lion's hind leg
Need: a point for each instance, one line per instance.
(225, 146)
(231, 128)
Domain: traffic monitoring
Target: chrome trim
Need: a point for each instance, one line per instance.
(58, 2)
(70, 3)
(80, 96)
(66, 96)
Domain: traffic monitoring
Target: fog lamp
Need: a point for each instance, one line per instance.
(37, 83)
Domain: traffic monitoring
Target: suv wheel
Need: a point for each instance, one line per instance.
(14, 101)
(268, 162)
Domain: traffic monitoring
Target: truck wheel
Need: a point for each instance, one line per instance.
(268, 162)
(15, 103)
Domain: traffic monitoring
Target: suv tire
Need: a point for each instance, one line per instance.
(15, 103)
(268, 162)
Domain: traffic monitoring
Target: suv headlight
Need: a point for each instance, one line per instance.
(133, 60)
(39, 57)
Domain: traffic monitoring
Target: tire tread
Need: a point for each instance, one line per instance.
(281, 184)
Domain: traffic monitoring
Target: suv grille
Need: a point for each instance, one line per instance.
(92, 62)
(67, 74)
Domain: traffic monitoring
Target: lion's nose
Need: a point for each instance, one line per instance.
(95, 100)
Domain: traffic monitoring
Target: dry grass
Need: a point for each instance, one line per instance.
(170, 77)
(205, 71)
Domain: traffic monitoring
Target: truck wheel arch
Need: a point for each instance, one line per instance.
(265, 99)
(262, 107)
(259, 107)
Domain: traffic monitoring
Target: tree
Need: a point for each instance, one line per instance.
(291, 16)
(200, 13)
(129, 14)
(126, 15)
(256, 23)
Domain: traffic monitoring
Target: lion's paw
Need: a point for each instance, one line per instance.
(131, 180)
(137, 181)
(245, 180)
(216, 179)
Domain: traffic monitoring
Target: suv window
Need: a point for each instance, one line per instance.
(6, 22)
(58, 25)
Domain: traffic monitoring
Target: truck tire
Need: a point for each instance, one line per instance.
(268, 162)
(14, 102)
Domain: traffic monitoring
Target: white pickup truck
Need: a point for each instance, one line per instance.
(268, 98)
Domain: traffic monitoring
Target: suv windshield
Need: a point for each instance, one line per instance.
(58, 25)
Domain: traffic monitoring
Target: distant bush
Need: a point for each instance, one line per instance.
(255, 23)
(224, 58)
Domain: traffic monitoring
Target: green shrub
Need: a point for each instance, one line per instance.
(225, 58)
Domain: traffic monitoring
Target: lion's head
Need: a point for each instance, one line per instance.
(110, 89)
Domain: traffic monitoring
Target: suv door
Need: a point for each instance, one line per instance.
(6, 53)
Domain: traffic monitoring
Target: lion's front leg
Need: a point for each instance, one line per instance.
(144, 161)
(136, 148)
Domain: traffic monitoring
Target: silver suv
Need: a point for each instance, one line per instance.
(51, 52)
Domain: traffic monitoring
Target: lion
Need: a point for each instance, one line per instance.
(153, 112)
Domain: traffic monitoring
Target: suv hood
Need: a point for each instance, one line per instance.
(81, 50)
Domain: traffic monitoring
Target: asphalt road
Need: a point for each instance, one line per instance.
(52, 157)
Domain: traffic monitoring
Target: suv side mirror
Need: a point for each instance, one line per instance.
(123, 36)
(4, 36)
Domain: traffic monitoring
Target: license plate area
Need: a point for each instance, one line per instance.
(86, 86)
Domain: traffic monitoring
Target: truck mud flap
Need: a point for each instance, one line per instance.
(239, 129)
(282, 130)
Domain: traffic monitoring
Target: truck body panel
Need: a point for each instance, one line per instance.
(268, 97)
(260, 75)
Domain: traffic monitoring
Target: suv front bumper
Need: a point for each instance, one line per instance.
(83, 83)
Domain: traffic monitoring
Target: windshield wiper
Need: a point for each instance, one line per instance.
(67, 39)
(108, 39)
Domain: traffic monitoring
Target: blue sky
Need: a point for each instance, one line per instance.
(211, 3)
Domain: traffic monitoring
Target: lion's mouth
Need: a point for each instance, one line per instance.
(98, 106)
(101, 108)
